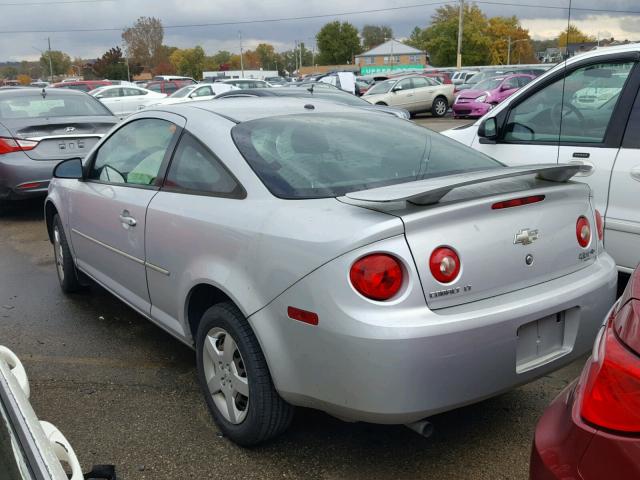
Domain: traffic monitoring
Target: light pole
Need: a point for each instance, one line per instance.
(241, 59)
(509, 43)
(460, 24)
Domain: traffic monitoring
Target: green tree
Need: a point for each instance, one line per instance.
(441, 37)
(374, 35)
(60, 62)
(575, 35)
(267, 55)
(143, 41)
(417, 39)
(111, 65)
(337, 42)
(8, 72)
(222, 57)
(189, 61)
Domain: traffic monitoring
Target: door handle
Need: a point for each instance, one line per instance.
(635, 173)
(127, 220)
(583, 162)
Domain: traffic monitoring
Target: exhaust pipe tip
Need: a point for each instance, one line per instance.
(423, 428)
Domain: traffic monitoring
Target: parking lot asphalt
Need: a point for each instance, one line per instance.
(125, 392)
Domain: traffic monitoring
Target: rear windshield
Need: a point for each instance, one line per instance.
(327, 155)
(51, 105)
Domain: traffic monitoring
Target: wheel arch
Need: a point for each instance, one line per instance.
(200, 298)
(50, 211)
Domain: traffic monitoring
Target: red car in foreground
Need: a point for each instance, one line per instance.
(592, 429)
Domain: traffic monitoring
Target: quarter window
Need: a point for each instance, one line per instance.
(574, 109)
(133, 155)
(195, 168)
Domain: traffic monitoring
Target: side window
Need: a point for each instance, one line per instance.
(155, 87)
(133, 155)
(522, 81)
(510, 83)
(576, 109)
(203, 92)
(406, 84)
(170, 87)
(419, 82)
(133, 92)
(195, 168)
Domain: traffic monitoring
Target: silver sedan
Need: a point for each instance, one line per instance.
(318, 256)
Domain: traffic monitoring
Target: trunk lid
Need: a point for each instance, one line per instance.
(62, 137)
(493, 244)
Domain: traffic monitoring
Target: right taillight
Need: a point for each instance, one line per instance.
(583, 231)
(9, 145)
(599, 225)
(444, 264)
(610, 392)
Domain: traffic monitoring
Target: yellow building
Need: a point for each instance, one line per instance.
(391, 55)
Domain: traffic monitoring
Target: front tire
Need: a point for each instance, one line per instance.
(235, 379)
(439, 107)
(65, 268)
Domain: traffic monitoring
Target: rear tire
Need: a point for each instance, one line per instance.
(235, 379)
(65, 268)
(439, 107)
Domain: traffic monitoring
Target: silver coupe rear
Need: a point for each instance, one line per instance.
(319, 256)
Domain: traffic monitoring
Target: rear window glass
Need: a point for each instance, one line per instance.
(328, 155)
(51, 105)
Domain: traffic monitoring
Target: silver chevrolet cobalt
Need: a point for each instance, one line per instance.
(321, 256)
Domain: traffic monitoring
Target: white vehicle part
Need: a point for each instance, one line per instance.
(16, 368)
(62, 449)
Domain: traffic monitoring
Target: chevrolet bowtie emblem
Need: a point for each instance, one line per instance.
(525, 237)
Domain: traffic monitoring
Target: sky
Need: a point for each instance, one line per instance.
(25, 25)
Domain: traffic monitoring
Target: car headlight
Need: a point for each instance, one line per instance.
(481, 99)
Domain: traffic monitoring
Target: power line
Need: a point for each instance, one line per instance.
(57, 2)
(556, 7)
(241, 22)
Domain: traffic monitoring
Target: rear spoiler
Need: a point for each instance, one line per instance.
(426, 192)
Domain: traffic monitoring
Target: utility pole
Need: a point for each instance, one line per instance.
(459, 51)
(509, 50)
(241, 59)
(50, 62)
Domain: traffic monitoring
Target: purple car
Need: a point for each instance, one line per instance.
(487, 94)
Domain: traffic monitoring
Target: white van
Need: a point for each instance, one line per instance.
(587, 111)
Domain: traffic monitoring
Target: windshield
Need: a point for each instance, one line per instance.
(327, 154)
(183, 92)
(489, 84)
(382, 87)
(51, 106)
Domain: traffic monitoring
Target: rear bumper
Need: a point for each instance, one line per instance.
(17, 170)
(471, 109)
(398, 366)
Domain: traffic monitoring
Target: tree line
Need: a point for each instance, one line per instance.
(486, 41)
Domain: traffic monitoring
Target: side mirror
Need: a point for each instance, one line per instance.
(505, 87)
(397, 88)
(488, 129)
(71, 168)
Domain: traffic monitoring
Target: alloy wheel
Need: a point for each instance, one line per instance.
(58, 253)
(226, 375)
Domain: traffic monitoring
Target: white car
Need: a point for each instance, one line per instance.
(31, 448)
(585, 111)
(124, 100)
(197, 91)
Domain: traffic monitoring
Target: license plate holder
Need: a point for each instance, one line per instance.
(540, 342)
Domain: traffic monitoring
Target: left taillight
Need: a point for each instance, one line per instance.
(610, 390)
(9, 145)
(377, 276)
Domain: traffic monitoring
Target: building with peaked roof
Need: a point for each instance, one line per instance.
(391, 55)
